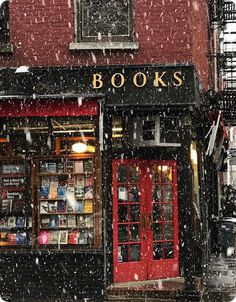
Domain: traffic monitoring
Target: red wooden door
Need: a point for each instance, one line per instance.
(145, 220)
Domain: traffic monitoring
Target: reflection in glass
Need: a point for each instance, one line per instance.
(157, 231)
(167, 193)
(123, 233)
(122, 173)
(134, 232)
(134, 194)
(156, 176)
(156, 194)
(134, 213)
(157, 211)
(168, 212)
(123, 255)
(169, 231)
(122, 193)
(134, 252)
(157, 251)
(123, 213)
(166, 174)
(134, 173)
(168, 250)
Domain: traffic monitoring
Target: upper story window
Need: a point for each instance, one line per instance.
(4, 27)
(104, 24)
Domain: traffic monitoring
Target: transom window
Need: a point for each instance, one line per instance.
(103, 21)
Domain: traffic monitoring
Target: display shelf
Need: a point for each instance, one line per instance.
(65, 202)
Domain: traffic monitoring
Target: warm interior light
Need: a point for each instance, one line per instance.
(79, 147)
(193, 154)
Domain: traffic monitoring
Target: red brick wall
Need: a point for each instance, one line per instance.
(41, 31)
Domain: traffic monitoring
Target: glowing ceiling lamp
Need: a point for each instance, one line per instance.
(79, 147)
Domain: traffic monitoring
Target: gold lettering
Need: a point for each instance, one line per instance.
(144, 79)
(158, 79)
(97, 81)
(179, 79)
(113, 80)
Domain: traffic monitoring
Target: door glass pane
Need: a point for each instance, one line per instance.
(122, 193)
(156, 175)
(123, 233)
(157, 251)
(134, 232)
(167, 193)
(123, 213)
(169, 231)
(168, 250)
(122, 173)
(157, 211)
(134, 173)
(157, 231)
(166, 174)
(156, 193)
(134, 213)
(134, 194)
(134, 252)
(168, 212)
(123, 253)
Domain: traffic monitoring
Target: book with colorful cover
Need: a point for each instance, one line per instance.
(61, 206)
(60, 167)
(80, 222)
(53, 221)
(61, 192)
(73, 237)
(11, 239)
(63, 237)
(88, 206)
(88, 165)
(20, 221)
(6, 205)
(62, 221)
(52, 206)
(43, 208)
(88, 192)
(45, 222)
(53, 237)
(11, 222)
(78, 166)
(52, 167)
(71, 221)
(44, 237)
(21, 238)
(44, 192)
(3, 222)
(53, 189)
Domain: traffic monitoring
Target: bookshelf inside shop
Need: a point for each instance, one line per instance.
(15, 204)
(65, 202)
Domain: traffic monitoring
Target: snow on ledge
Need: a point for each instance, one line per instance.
(103, 45)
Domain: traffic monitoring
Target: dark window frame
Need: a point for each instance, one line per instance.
(113, 38)
(4, 23)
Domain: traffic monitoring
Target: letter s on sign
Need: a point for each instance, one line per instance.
(178, 77)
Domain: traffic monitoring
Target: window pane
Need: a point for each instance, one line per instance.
(135, 252)
(105, 18)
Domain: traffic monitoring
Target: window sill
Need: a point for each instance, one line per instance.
(103, 45)
(7, 48)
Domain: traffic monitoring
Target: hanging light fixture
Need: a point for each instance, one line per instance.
(79, 147)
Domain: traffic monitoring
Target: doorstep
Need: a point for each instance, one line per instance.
(170, 289)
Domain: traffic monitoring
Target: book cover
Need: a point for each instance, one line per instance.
(53, 221)
(122, 194)
(79, 166)
(53, 237)
(71, 221)
(43, 207)
(44, 192)
(79, 206)
(88, 206)
(88, 192)
(70, 194)
(53, 189)
(11, 221)
(3, 222)
(52, 167)
(73, 237)
(60, 167)
(70, 166)
(45, 222)
(63, 237)
(11, 239)
(44, 237)
(79, 191)
(88, 165)
(80, 222)
(21, 238)
(62, 221)
(61, 192)
(6, 205)
(43, 167)
(82, 239)
(88, 181)
(61, 206)
(89, 221)
(52, 206)
(20, 221)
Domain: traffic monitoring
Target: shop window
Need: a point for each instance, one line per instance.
(105, 21)
(50, 191)
(4, 27)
